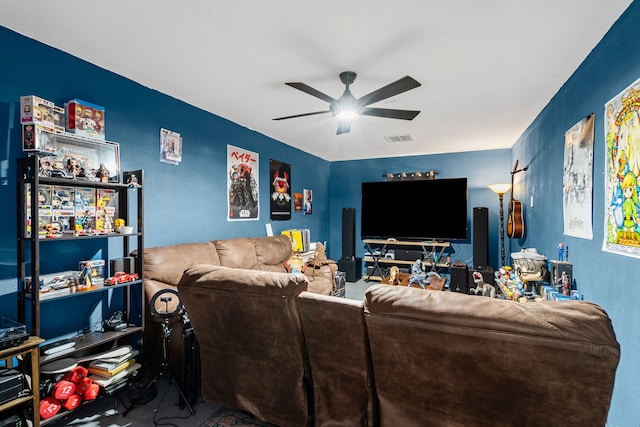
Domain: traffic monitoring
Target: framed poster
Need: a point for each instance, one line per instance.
(308, 201)
(280, 200)
(622, 168)
(242, 184)
(577, 183)
(170, 147)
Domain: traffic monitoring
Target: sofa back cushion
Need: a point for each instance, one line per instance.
(255, 253)
(251, 342)
(338, 352)
(456, 359)
(166, 263)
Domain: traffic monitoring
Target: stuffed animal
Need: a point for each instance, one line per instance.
(295, 263)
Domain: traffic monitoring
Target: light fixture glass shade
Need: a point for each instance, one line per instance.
(500, 188)
(347, 116)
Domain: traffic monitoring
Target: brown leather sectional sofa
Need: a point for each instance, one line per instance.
(164, 265)
(401, 357)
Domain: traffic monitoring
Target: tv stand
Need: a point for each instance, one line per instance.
(378, 262)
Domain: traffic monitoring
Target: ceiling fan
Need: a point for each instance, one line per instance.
(347, 108)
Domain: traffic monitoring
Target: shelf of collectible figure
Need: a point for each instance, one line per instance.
(75, 211)
(74, 290)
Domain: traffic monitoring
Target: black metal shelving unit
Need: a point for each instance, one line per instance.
(130, 208)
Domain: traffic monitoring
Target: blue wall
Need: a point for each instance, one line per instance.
(188, 202)
(185, 203)
(607, 279)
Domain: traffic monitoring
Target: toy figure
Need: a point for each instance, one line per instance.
(482, 288)
(561, 248)
(295, 264)
(133, 181)
(73, 166)
(103, 173)
(418, 274)
(394, 275)
(565, 282)
(52, 230)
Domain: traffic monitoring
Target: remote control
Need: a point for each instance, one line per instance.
(58, 346)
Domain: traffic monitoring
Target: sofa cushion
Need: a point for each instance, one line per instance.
(167, 263)
(455, 359)
(260, 253)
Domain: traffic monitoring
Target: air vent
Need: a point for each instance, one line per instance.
(400, 138)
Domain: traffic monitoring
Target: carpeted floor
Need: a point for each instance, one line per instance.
(227, 417)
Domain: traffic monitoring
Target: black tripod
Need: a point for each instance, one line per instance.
(166, 315)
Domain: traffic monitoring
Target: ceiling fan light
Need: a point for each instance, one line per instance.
(347, 116)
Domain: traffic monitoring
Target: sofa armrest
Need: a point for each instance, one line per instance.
(243, 280)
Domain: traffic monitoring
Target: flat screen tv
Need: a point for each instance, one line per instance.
(434, 209)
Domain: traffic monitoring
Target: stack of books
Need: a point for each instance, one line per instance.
(106, 372)
(300, 239)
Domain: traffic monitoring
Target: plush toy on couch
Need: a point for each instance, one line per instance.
(295, 263)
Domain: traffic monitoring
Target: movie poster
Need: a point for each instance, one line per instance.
(622, 168)
(242, 184)
(577, 181)
(280, 202)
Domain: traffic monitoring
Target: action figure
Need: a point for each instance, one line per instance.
(394, 275)
(73, 167)
(418, 274)
(103, 173)
(565, 282)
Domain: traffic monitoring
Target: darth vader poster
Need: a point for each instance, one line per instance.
(242, 184)
(280, 201)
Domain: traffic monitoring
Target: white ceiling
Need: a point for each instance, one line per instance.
(487, 68)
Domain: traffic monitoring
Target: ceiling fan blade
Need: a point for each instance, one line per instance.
(391, 114)
(399, 86)
(311, 91)
(343, 127)
(302, 115)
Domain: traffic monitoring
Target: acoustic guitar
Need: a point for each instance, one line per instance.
(515, 222)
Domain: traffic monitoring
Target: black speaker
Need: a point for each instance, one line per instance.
(459, 279)
(352, 268)
(480, 238)
(348, 233)
(126, 264)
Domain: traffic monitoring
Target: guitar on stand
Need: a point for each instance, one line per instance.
(515, 223)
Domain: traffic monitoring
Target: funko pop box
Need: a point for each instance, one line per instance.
(34, 109)
(85, 119)
(38, 137)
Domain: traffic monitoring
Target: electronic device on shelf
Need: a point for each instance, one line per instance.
(58, 346)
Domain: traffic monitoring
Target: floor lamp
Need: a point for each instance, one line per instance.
(501, 189)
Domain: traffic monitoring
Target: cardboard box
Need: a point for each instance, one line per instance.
(58, 118)
(34, 109)
(39, 137)
(94, 268)
(85, 119)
